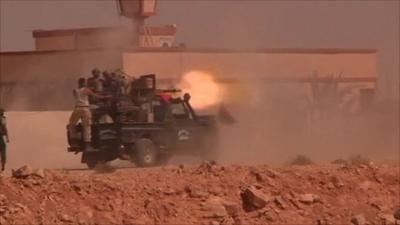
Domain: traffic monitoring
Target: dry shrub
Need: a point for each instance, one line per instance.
(301, 160)
(358, 160)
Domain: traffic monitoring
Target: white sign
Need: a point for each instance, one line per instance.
(183, 135)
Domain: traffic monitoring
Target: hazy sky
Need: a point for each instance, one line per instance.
(266, 24)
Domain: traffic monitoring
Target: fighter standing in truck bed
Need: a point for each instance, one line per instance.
(82, 112)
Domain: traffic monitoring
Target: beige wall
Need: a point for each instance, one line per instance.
(44, 80)
(53, 66)
(251, 65)
(92, 39)
(255, 68)
(106, 39)
(55, 43)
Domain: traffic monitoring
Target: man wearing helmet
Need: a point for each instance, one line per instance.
(94, 82)
(3, 134)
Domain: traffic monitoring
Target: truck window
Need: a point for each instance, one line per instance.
(179, 110)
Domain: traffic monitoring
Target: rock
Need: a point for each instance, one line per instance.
(377, 203)
(198, 194)
(365, 186)
(195, 192)
(266, 214)
(396, 214)
(295, 203)
(231, 207)
(308, 198)
(337, 182)
(22, 172)
(280, 202)
(3, 220)
(238, 221)
(35, 182)
(108, 218)
(216, 190)
(85, 212)
(169, 191)
(20, 206)
(387, 219)
(215, 211)
(259, 177)
(3, 199)
(39, 173)
(271, 173)
(263, 175)
(129, 221)
(218, 207)
(206, 166)
(255, 198)
(65, 218)
(359, 220)
(214, 222)
(322, 221)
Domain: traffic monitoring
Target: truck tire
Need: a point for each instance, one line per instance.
(146, 153)
(90, 160)
(91, 164)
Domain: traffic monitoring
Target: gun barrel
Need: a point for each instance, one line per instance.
(169, 90)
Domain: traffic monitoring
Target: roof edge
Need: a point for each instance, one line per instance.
(211, 50)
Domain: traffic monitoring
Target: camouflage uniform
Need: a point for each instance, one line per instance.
(3, 146)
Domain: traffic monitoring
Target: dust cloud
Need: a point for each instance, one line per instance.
(39, 139)
(274, 125)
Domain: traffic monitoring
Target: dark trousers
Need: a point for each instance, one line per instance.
(3, 149)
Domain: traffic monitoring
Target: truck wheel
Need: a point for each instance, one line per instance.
(89, 159)
(146, 153)
(91, 164)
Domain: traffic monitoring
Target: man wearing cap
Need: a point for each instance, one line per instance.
(3, 135)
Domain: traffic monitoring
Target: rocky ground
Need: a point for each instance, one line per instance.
(205, 194)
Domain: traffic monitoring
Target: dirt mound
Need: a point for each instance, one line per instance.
(205, 194)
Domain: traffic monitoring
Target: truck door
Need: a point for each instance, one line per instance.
(186, 129)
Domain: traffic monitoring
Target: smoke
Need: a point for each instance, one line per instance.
(274, 125)
(277, 121)
(39, 139)
(271, 128)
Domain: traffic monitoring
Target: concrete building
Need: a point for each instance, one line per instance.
(157, 36)
(85, 38)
